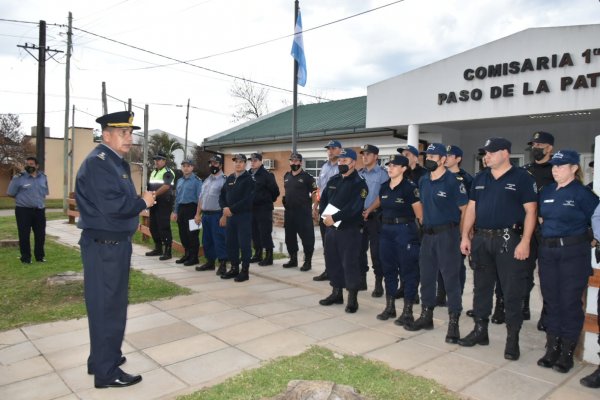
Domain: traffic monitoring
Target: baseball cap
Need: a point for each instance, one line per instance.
(398, 159)
(566, 156)
(495, 144)
(542, 137)
(369, 148)
(410, 148)
(347, 152)
(436, 148)
(239, 157)
(454, 150)
(296, 156)
(257, 156)
(333, 143)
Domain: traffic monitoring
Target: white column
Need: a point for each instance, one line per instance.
(413, 135)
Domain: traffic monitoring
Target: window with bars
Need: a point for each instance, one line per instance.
(313, 165)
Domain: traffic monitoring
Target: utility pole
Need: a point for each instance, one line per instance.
(66, 136)
(187, 120)
(72, 150)
(129, 105)
(40, 142)
(104, 105)
(145, 150)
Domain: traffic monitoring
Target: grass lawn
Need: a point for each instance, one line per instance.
(374, 380)
(8, 202)
(26, 299)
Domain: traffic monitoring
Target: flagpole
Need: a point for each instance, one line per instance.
(295, 96)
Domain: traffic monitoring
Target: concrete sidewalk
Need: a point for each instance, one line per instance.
(190, 342)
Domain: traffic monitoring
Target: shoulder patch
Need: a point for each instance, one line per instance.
(462, 189)
(363, 193)
(101, 155)
(416, 192)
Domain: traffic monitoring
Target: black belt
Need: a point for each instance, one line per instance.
(209, 212)
(103, 241)
(565, 241)
(432, 230)
(397, 220)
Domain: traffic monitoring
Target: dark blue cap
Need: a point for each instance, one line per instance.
(436, 148)
(495, 144)
(398, 159)
(563, 157)
(187, 161)
(454, 150)
(410, 148)
(369, 148)
(295, 157)
(239, 157)
(333, 143)
(159, 156)
(347, 152)
(121, 119)
(542, 137)
(257, 156)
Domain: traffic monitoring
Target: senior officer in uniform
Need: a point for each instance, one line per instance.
(375, 176)
(29, 189)
(266, 192)
(329, 169)
(109, 210)
(187, 193)
(346, 192)
(209, 212)
(236, 201)
(160, 182)
(502, 208)
(399, 241)
(444, 201)
(566, 209)
(300, 191)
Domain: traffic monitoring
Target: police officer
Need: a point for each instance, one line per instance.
(444, 200)
(30, 188)
(399, 239)
(329, 169)
(266, 192)
(375, 176)
(209, 212)
(236, 201)
(341, 207)
(109, 210)
(566, 208)
(541, 150)
(300, 188)
(502, 208)
(160, 182)
(188, 190)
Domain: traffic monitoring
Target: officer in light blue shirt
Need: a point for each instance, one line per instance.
(188, 190)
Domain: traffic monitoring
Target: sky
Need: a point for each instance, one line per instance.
(132, 44)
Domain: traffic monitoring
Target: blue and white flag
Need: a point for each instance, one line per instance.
(298, 51)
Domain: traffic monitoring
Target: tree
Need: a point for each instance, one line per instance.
(252, 100)
(162, 142)
(201, 159)
(14, 146)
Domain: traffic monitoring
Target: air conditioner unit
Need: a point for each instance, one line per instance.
(269, 163)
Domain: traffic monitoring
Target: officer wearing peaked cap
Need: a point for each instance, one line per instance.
(109, 210)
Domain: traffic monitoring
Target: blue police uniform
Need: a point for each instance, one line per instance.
(30, 212)
(109, 210)
(213, 235)
(266, 192)
(188, 191)
(297, 219)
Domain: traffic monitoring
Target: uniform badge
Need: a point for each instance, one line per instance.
(463, 190)
(102, 156)
(536, 136)
(363, 193)
(125, 176)
(416, 192)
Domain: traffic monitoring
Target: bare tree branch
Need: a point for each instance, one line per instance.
(253, 100)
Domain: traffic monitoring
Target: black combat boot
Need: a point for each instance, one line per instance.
(209, 265)
(440, 297)
(193, 260)
(268, 260)
(453, 333)
(352, 305)
(232, 273)
(243, 275)
(167, 254)
(498, 317)
(184, 258)
(258, 256)
(307, 266)
(378, 291)
(552, 351)
(425, 320)
(511, 350)
(322, 277)
(293, 261)
(222, 267)
(565, 360)
(525, 308)
(592, 380)
(479, 334)
(157, 250)
(390, 309)
(406, 318)
(336, 297)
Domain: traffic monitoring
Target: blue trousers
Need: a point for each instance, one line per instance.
(342, 249)
(298, 221)
(564, 273)
(106, 280)
(213, 237)
(262, 227)
(370, 239)
(239, 232)
(399, 254)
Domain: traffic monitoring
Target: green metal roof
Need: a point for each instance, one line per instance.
(342, 116)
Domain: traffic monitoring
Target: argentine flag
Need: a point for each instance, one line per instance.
(298, 51)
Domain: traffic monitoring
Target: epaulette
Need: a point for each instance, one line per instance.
(101, 155)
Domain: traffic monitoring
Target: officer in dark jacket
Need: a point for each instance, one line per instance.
(341, 206)
(236, 201)
(109, 210)
(266, 192)
(161, 183)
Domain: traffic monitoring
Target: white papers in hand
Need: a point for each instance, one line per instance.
(194, 226)
(330, 210)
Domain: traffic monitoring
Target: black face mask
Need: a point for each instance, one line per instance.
(343, 169)
(295, 167)
(29, 169)
(431, 165)
(214, 170)
(537, 154)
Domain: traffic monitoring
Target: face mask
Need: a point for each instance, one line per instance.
(431, 165)
(537, 153)
(295, 167)
(29, 169)
(343, 168)
(214, 170)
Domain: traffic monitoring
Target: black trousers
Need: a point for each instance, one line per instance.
(239, 228)
(370, 239)
(262, 227)
(29, 219)
(342, 249)
(160, 223)
(298, 221)
(189, 239)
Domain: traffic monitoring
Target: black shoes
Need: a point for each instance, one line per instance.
(352, 305)
(453, 334)
(479, 335)
(307, 266)
(322, 277)
(183, 258)
(498, 317)
(156, 252)
(222, 267)
(390, 309)
(293, 261)
(565, 360)
(336, 297)
(406, 318)
(243, 275)
(122, 381)
(511, 350)
(122, 361)
(208, 266)
(258, 256)
(552, 352)
(167, 254)
(232, 273)
(592, 380)
(268, 260)
(425, 321)
(378, 291)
